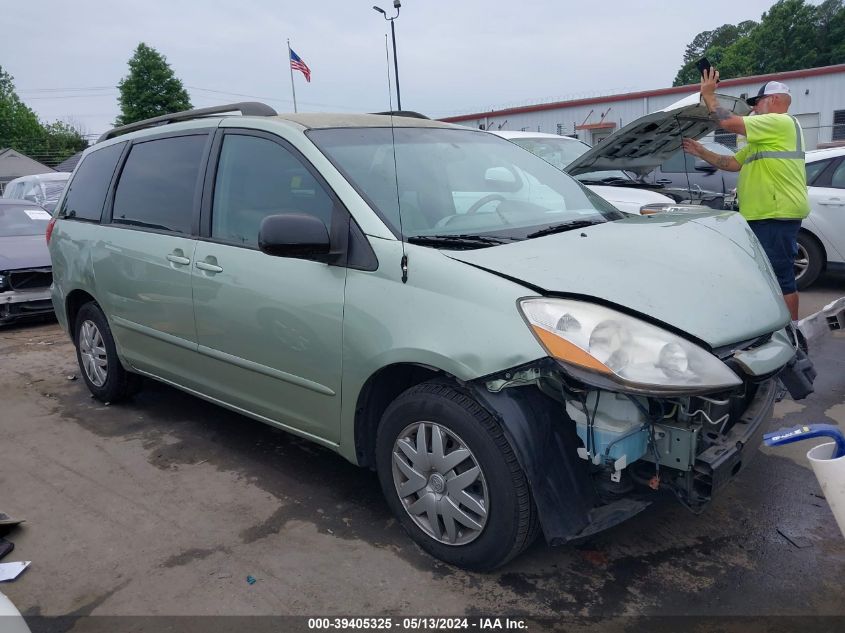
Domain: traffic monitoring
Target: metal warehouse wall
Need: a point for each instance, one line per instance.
(814, 100)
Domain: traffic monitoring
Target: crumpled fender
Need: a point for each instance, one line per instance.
(546, 447)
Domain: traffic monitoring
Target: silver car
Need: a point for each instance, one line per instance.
(25, 269)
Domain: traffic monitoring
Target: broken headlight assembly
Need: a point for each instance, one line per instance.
(604, 347)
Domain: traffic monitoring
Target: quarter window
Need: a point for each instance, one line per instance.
(837, 179)
(257, 177)
(87, 191)
(814, 169)
(158, 182)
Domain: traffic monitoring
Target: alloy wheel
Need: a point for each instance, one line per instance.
(92, 352)
(440, 483)
(802, 262)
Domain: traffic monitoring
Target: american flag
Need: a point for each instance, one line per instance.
(297, 64)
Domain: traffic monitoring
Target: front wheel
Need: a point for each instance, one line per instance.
(451, 478)
(105, 377)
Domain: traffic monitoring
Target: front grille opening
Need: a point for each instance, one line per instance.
(30, 279)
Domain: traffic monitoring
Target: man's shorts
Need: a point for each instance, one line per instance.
(780, 241)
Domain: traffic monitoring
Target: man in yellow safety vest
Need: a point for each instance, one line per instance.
(772, 187)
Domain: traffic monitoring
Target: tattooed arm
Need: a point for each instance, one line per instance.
(727, 120)
(721, 161)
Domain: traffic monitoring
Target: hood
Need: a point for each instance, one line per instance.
(24, 251)
(649, 141)
(629, 199)
(704, 274)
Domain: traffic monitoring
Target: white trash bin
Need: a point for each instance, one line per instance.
(831, 475)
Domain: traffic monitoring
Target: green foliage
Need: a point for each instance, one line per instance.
(150, 89)
(21, 130)
(791, 35)
(61, 141)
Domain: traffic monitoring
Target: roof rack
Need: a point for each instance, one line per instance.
(407, 113)
(246, 108)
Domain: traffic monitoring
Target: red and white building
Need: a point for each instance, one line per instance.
(818, 100)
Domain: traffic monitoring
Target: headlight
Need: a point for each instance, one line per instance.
(671, 207)
(623, 349)
(3, 282)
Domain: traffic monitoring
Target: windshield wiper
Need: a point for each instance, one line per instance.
(566, 226)
(458, 241)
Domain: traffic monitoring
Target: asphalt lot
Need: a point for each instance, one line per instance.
(164, 506)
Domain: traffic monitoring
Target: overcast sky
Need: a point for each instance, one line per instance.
(454, 57)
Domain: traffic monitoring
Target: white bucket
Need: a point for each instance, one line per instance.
(831, 476)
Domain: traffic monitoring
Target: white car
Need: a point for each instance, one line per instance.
(42, 189)
(560, 151)
(821, 242)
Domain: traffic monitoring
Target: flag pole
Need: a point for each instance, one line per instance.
(292, 88)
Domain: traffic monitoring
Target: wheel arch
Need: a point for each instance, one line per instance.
(805, 231)
(73, 303)
(380, 389)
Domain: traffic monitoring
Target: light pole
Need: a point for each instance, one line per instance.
(396, 5)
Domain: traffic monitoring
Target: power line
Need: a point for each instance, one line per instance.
(112, 91)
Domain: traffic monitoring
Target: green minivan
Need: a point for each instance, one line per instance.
(507, 350)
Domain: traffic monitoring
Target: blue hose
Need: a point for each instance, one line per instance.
(805, 432)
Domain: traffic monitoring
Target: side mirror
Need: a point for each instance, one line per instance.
(501, 179)
(31, 198)
(293, 235)
(703, 165)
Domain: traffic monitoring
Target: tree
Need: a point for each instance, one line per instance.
(150, 89)
(713, 45)
(19, 126)
(21, 130)
(791, 35)
(786, 38)
(61, 141)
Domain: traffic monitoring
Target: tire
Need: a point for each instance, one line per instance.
(96, 354)
(495, 519)
(809, 261)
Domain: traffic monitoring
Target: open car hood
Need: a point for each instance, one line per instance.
(647, 142)
(702, 273)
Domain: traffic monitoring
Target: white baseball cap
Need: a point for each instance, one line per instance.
(769, 88)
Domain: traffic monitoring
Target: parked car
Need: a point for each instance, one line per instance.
(821, 241)
(42, 189)
(508, 351)
(25, 272)
(615, 186)
(684, 174)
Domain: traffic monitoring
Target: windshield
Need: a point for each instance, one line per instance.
(21, 220)
(457, 182)
(560, 152)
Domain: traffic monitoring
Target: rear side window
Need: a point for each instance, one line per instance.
(814, 169)
(158, 182)
(87, 191)
(837, 179)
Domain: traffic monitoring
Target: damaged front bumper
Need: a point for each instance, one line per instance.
(595, 457)
(24, 304)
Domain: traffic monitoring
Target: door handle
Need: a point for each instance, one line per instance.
(178, 259)
(832, 202)
(663, 181)
(212, 268)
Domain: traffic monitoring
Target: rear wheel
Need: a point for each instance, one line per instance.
(809, 261)
(451, 478)
(97, 356)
